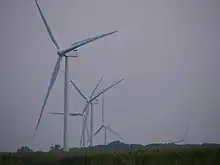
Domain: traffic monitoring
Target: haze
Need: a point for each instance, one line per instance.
(167, 51)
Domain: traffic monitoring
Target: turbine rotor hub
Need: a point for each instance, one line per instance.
(60, 53)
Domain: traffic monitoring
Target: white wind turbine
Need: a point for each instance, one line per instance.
(83, 116)
(183, 140)
(106, 127)
(90, 101)
(62, 53)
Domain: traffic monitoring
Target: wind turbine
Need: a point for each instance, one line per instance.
(83, 116)
(185, 136)
(183, 140)
(62, 53)
(106, 127)
(90, 101)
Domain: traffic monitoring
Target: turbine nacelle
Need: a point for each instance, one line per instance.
(76, 114)
(63, 53)
(96, 101)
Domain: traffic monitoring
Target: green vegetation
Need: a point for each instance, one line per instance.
(118, 153)
(177, 156)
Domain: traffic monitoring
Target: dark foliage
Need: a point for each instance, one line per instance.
(24, 149)
(178, 156)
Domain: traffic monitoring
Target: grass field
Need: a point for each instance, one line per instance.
(120, 157)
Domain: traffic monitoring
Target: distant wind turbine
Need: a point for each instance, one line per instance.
(90, 101)
(66, 54)
(83, 116)
(183, 140)
(106, 127)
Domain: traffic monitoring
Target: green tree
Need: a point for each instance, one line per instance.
(24, 149)
(56, 148)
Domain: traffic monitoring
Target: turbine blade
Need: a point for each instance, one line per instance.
(52, 81)
(81, 139)
(82, 133)
(97, 85)
(47, 26)
(106, 89)
(85, 108)
(56, 113)
(85, 128)
(34, 135)
(88, 40)
(98, 130)
(88, 140)
(61, 113)
(87, 131)
(86, 124)
(78, 90)
(103, 119)
(117, 134)
(179, 141)
(186, 132)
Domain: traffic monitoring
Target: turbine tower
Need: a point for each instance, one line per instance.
(66, 54)
(106, 127)
(90, 102)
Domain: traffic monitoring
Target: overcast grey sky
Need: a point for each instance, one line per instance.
(167, 51)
